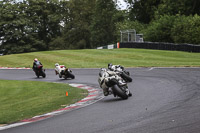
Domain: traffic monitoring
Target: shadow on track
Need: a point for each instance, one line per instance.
(112, 100)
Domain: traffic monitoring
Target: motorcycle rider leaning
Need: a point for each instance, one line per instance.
(114, 67)
(104, 77)
(36, 62)
(59, 69)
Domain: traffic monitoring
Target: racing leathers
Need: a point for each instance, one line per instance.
(59, 69)
(115, 67)
(36, 64)
(104, 77)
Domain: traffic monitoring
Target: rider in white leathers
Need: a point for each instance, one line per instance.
(59, 69)
(114, 67)
(104, 77)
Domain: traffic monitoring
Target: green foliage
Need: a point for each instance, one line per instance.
(186, 29)
(174, 29)
(159, 30)
(29, 25)
(103, 27)
(168, 20)
(76, 31)
(143, 10)
(57, 43)
(182, 7)
(127, 24)
(39, 25)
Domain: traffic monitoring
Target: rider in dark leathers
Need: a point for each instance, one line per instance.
(36, 62)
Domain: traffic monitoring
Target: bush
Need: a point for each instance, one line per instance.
(159, 30)
(174, 29)
(186, 29)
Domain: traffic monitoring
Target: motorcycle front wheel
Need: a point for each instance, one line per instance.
(126, 77)
(71, 75)
(44, 75)
(37, 74)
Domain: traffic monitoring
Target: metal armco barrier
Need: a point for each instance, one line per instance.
(161, 46)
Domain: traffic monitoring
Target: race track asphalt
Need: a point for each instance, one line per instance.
(165, 100)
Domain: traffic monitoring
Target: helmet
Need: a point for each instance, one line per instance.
(109, 65)
(102, 70)
(56, 64)
(35, 59)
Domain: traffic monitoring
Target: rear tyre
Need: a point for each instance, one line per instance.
(126, 77)
(37, 74)
(71, 75)
(43, 74)
(119, 92)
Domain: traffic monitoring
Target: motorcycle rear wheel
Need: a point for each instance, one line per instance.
(71, 75)
(126, 77)
(119, 92)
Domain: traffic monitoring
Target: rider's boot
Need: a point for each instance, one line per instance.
(130, 94)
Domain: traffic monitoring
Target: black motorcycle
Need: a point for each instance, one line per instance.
(119, 88)
(39, 71)
(67, 73)
(122, 72)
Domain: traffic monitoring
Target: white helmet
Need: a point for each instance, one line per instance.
(102, 71)
(35, 59)
(56, 64)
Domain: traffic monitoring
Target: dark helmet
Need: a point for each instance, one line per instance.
(109, 65)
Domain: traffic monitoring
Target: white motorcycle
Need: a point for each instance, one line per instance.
(65, 73)
(116, 85)
(121, 72)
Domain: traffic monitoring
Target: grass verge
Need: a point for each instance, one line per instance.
(25, 99)
(93, 58)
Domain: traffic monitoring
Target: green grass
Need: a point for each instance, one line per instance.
(93, 58)
(25, 99)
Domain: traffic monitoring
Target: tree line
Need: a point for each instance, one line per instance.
(174, 21)
(38, 25)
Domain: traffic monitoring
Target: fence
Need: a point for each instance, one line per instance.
(161, 46)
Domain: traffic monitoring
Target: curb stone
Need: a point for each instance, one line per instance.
(14, 68)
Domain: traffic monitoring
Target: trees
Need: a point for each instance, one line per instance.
(34, 25)
(76, 31)
(29, 25)
(12, 26)
(167, 20)
(44, 21)
(186, 29)
(143, 10)
(160, 29)
(103, 26)
(182, 7)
